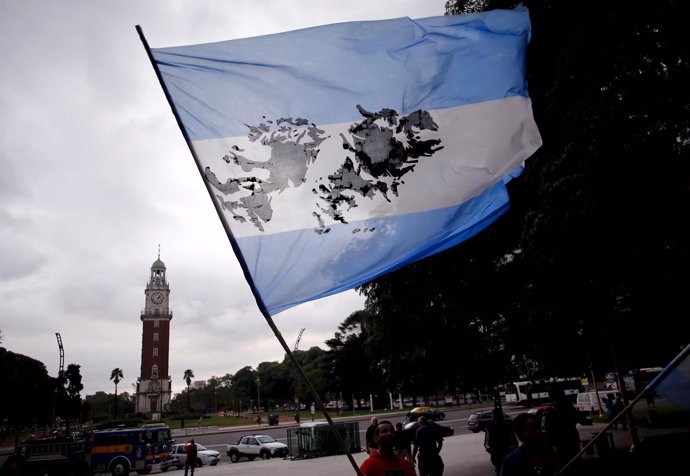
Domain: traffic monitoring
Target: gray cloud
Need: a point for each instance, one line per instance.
(94, 175)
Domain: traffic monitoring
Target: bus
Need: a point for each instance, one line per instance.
(121, 450)
(535, 392)
(118, 451)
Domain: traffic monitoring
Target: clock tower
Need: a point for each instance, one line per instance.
(154, 391)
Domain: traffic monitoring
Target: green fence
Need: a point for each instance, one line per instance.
(316, 439)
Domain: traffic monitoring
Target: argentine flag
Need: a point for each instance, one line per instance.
(338, 153)
(673, 383)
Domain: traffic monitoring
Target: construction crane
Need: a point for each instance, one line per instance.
(61, 372)
(61, 375)
(298, 379)
(299, 337)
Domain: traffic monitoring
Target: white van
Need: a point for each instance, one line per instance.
(587, 401)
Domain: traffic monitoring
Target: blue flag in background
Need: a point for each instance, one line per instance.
(339, 153)
(673, 383)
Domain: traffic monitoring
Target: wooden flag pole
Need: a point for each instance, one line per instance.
(337, 434)
(240, 258)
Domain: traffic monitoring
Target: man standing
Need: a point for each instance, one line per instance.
(370, 434)
(402, 441)
(499, 439)
(534, 455)
(383, 461)
(427, 444)
(190, 460)
(559, 426)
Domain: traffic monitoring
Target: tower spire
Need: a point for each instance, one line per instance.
(159, 251)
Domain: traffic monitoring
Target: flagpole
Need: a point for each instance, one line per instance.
(651, 386)
(240, 257)
(615, 419)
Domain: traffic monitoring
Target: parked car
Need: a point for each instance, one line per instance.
(538, 410)
(428, 412)
(251, 446)
(412, 426)
(478, 421)
(178, 457)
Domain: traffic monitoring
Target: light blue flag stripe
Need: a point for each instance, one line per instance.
(401, 64)
(292, 268)
(673, 383)
(378, 143)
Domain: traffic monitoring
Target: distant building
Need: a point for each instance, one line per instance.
(198, 384)
(154, 386)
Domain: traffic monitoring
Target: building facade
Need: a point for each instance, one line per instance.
(154, 386)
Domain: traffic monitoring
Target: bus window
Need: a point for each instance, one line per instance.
(534, 392)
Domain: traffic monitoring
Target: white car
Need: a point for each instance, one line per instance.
(203, 456)
(253, 446)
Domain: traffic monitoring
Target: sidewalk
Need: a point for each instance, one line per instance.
(660, 452)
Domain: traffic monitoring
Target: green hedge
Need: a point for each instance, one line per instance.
(125, 423)
(191, 416)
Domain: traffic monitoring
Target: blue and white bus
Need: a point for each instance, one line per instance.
(121, 450)
(535, 392)
(118, 452)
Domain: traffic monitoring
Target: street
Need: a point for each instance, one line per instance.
(455, 418)
(463, 453)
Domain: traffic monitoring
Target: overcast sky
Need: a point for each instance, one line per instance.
(95, 175)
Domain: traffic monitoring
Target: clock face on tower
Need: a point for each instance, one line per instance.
(156, 298)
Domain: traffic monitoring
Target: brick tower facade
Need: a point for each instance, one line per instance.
(154, 391)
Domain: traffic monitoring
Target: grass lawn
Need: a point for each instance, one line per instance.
(249, 418)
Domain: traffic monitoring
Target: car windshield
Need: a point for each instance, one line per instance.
(200, 447)
(265, 439)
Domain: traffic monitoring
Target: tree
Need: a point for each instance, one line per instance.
(350, 363)
(188, 376)
(33, 390)
(116, 376)
(243, 386)
(593, 242)
(68, 387)
(99, 407)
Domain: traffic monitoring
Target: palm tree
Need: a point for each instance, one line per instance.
(116, 376)
(188, 376)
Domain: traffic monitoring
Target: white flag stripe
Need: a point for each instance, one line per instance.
(474, 157)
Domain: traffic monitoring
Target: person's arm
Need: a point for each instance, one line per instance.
(364, 467)
(414, 452)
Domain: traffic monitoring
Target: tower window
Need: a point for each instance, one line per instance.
(155, 323)
(155, 336)
(155, 351)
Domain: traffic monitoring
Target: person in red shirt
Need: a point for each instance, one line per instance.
(190, 460)
(383, 460)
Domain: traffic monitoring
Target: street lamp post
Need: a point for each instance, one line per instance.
(258, 399)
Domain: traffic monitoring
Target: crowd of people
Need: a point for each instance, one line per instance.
(394, 451)
(531, 445)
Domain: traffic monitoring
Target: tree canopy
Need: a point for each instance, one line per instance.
(591, 258)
